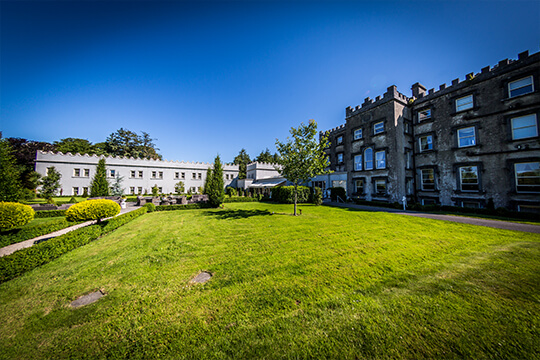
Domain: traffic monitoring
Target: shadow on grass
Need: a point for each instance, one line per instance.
(237, 214)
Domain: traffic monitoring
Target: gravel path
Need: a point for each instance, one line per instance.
(498, 224)
(10, 249)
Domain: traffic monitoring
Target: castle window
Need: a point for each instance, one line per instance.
(77, 172)
(177, 175)
(524, 127)
(132, 190)
(378, 128)
(161, 174)
(357, 134)
(200, 176)
(194, 176)
(154, 174)
(183, 175)
(359, 186)
(468, 178)
(139, 190)
(408, 159)
(464, 103)
(427, 179)
(426, 143)
(75, 191)
(132, 173)
(380, 160)
(340, 158)
(466, 137)
(424, 115)
(527, 177)
(140, 174)
(160, 189)
(358, 163)
(368, 159)
(86, 172)
(112, 173)
(339, 140)
(380, 186)
(521, 87)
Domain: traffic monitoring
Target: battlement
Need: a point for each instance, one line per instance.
(333, 130)
(390, 94)
(484, 74)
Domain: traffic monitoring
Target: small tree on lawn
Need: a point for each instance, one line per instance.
(302, 157)
(100, 184)
(207, 181)
(179, 188)
(155, 191)
(10, 184)
(50, 183)
(215, 188)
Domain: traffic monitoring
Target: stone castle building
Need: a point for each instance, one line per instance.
(466, 144)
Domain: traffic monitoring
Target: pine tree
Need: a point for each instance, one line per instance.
(50, 183)
(117, 189)
(10, 185)
(215, 191)
(100, 184)
(207, 181)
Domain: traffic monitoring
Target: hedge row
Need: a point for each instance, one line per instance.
(49, 213)
(285, 194)
(17, 235)
(237, 199)
(30, 258)
(182, 207)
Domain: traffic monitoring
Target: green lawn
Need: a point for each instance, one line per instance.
(332, 283)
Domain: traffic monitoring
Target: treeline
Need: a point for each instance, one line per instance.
(242, 159)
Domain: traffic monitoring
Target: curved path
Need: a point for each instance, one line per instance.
(498, 224)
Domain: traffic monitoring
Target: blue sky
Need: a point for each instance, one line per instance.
(213, 77)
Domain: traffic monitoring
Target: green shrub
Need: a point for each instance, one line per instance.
(50, 201)
(237, 199)
(285, 194)
(338, 191)
(92, 210)
(317, 196)
(182, 207)
(116, 222)
(13, 236)
(72, 200)
(150, 207)
(230, 191)
(49, 213)
(14, 215)
(30, 258)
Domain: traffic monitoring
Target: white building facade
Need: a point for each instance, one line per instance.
(139, 175)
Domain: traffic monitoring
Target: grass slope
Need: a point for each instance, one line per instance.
(332, 283)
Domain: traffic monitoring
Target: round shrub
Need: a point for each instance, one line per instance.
(92, 210)
(150, 207)
(14, 215)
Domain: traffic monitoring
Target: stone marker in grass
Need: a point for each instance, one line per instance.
(87, 299)
(202, 277)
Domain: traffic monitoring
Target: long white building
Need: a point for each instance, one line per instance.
(139, 175)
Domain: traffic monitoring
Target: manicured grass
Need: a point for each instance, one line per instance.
(35, 228)
(331, 283)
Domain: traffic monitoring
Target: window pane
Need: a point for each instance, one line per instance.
(359, 186)
(358, 162)
(466, 137)
(464, 103)
(469, 178)
(380, 186)
(357, 134)
(426, 143)
(528, 177)
(520, 87)
(524, 127)
(428, 179)
(378, 127)
(368, 159)
(380, 156)
(339, 158)
(424, 115)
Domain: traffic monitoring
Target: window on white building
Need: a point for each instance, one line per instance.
(77, 172)
(161, 174)
(86, 172)
(140, 174)
(177, 175)
(132, 190)
(75, 191)
(112, 173)
(132, 173)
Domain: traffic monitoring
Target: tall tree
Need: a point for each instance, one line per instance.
(216, 191)
(242, 159)
(207, 181)
(117, 189)
(74, 146)
(148, 149)
(10, 184)
(24, 152)
(124, 142)
(100, 185)
(266, 157)
(50, 183)
(302, 157)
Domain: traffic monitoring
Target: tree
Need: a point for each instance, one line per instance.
(74, 146)
(155, 191)
(242, 159)
(207, 181)
(100, 185)
(179, 188)
(117, 189)
(10, 184)
(266, 157)
(124, 142)
(215, 188)
(302, 157)
(148, 149)
(50, 183)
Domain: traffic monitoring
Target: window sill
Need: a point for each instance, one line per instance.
(518, 96)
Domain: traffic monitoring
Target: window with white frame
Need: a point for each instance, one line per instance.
(466, 137)
(139, 190)
(380, 186)
(132, 190)
(194, 175)
(112, 173)
(524, 127)
(75, 191)
(426, 143)
(154, 174)
(200, 176)
(424, 115)
(380, 160)
(357, 134)
(161, 174)
(464, 103)
(339, 140)
(160, 189)
(521, 87)
(177, 175)
(340, 158)
(359, 186)
(77, 172)
(427, 179)
(468, 178)
(368, 159)
(378, 128)
(86, 172)
(527, 177)
(140, 174)
(183, 175)
(357, 162)
(132, 173)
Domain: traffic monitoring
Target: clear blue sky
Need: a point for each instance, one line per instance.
(214, 77)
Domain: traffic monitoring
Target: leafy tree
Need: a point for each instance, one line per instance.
(74, 146)
(100, 185)
(302, 157)
(267, 157)
(117, 189)
(155, 191)
(215, 188)
(50, 183)
(242, 159)
(10, 184)
(179, 188)
(148, 149)
(24, 152)
(124, 142)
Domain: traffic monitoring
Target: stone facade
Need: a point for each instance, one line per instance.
(139, 175)
(468, 144)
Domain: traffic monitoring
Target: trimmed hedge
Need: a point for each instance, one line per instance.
(92, 210)
(13, 215)
(49, 213)
(30, 258)
(285, 194)
(238, 199)
(115, 223)
(13, 236)
(182, 207)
